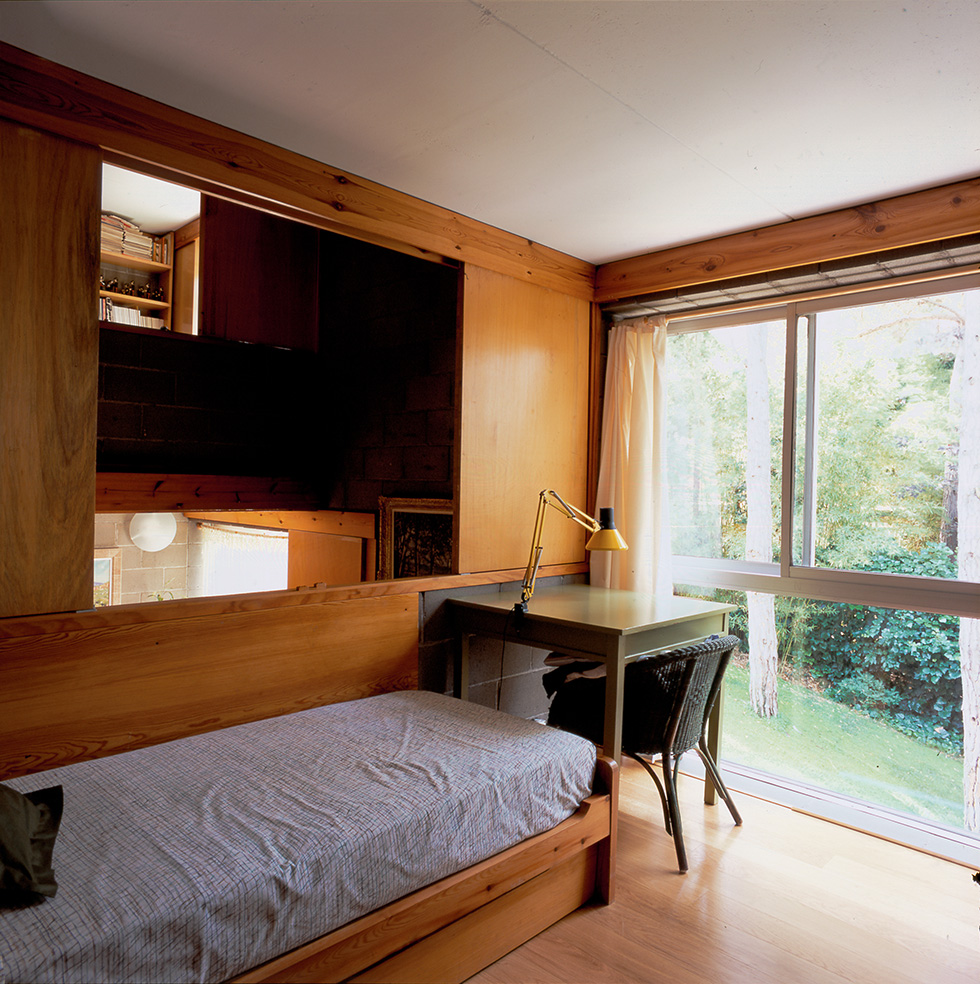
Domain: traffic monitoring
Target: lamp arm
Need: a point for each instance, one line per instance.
(572, 512)
(548, 497)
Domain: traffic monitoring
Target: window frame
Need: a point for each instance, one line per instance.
(786, 578)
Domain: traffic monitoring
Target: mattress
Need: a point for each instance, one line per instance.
(201, 858)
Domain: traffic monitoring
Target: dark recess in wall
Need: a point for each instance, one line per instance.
(177, 404)
(370, 414)
(388, 363)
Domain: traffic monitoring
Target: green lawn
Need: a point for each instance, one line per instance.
(822, 743)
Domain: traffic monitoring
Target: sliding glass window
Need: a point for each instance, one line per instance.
(824, 473)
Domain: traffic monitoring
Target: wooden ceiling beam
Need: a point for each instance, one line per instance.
(920, 217)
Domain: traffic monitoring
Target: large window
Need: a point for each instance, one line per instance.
(824, 465)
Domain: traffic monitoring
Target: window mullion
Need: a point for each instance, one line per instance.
(808, 551)
(789, 445)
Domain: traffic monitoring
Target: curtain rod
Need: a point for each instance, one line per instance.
(239, 530)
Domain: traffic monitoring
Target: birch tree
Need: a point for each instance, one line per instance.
(763, 653)
(968, 549)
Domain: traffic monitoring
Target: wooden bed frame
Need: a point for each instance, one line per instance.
(80, 686)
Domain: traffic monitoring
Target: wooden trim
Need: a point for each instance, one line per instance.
(477, 939)
(597, 386)
(137, 492)
(52, 97)
(355, 524)
(920, 217)
(607, 780)
(187, 233)
(224, 605)
(273, 208)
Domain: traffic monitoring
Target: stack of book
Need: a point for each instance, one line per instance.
(119, 235)
(121, 314)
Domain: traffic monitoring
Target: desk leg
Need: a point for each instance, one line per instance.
(713, 741)
(612, 732)
(461, 668)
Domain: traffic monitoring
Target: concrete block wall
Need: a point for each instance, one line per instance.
(145, 576)
(388, 322)
(183, 404)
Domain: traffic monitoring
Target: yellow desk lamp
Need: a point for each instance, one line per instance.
(605, 536)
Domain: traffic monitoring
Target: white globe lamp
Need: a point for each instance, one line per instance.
(153, 531)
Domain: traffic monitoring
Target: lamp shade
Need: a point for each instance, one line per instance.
(153, 531)
(607, 537)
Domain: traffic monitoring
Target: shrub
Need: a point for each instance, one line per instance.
(898, 664)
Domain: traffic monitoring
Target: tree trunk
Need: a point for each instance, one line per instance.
(968, 552)
(763, 653)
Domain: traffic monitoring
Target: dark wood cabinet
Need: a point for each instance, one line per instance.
(259, 277)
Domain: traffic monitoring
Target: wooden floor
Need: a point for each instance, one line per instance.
(784, 899)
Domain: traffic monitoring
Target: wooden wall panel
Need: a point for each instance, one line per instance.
(320, 558)
(524, 417)
(259, 277)
(49, 244)
(107, 681)
(921, 217)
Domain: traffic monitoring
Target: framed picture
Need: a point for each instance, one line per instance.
(416, 537)
(107, 576)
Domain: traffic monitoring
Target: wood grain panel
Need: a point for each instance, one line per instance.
(322, 558)
(105, 682)
(920, 217)
(47, 95)
(472, 942)
(524, 417)
(138, 492)
(259, 277)
(49, 244)
(316, 521)
(184, 317)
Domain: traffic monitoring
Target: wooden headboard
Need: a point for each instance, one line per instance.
(79, 686)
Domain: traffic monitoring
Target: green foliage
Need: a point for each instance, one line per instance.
(896, 664)
(886, 444)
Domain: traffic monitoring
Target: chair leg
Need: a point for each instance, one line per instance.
(709, 764)
(670, 774)
(660, 789)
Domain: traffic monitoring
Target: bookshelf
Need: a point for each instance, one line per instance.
(136, 275)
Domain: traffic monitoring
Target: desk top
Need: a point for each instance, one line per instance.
(604, 609)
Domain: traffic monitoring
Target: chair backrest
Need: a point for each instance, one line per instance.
(668, 697)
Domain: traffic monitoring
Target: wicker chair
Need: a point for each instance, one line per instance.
(666, 702)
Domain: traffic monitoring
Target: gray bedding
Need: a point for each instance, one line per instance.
(201, 858)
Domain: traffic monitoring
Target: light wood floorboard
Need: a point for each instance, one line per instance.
(784, 899)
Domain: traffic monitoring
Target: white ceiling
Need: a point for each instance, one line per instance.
(155, 206)
(601, 129)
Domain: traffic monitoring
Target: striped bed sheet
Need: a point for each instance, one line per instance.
(201, 858)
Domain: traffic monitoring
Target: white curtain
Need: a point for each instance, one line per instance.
(237, 560)
(631, 463)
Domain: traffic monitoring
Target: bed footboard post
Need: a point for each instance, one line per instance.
(607, 780)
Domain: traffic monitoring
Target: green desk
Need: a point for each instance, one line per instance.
(602, 624)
